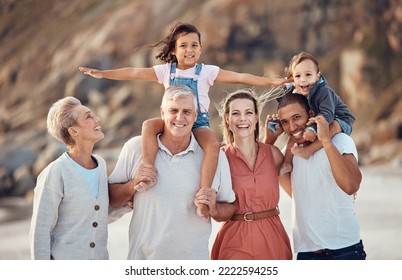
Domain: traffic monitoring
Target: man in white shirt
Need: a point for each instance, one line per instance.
(325, 225)
(164, 222)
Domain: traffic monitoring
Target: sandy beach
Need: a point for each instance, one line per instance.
(377, 205)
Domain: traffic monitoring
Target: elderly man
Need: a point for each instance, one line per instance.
(164, 222)
(325, 225)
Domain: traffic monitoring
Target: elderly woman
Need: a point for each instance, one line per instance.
(70, 209)
(255, 232)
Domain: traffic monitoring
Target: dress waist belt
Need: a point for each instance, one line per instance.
(251, 216)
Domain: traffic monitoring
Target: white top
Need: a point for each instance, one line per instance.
(164, 223)
(68, 222)
(323, 214)
(206, 79)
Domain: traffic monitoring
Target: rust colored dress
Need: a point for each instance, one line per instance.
(256, 191)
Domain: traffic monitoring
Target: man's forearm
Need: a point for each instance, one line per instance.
(223, 211)
(344, 168)
(121, 193)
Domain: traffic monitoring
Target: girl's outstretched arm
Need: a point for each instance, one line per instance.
(127, 73)
(231, 77)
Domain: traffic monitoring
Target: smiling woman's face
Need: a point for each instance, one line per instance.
(87, 127)
(242, 118)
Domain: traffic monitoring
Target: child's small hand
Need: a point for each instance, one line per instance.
(323, 133)
(309, 135)
(91, 72)
(301, 151)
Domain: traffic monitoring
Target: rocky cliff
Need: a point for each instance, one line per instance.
(42, 44)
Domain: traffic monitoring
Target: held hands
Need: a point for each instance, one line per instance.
(206, 196)
(273, 118)
(309, 135)
(270, 135)
(142, 187)
(323, 133)
(91, 72)
(145, 177)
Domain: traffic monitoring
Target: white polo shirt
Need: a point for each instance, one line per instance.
(164, 224)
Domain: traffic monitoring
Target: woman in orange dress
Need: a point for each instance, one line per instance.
(255, 232)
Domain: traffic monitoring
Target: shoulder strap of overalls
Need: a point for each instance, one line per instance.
(198, 68)
(172, 70)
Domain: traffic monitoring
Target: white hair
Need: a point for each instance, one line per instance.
(61, 117)
(176, 92)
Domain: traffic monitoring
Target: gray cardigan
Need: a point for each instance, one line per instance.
(68, 222)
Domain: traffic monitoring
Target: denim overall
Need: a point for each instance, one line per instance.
(202, 118)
